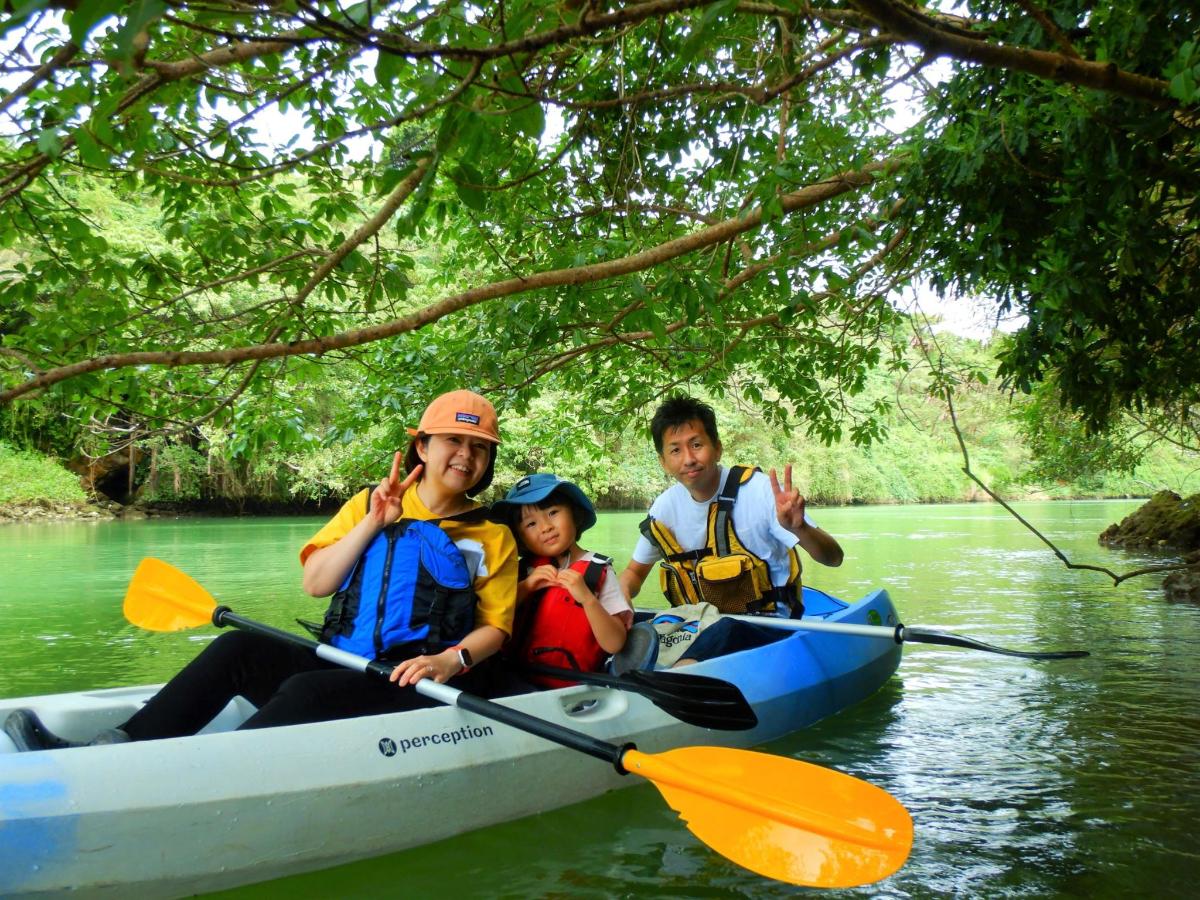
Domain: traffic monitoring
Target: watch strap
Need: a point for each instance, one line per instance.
(464, 658)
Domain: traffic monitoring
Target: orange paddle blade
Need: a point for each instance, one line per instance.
(780, 817)
(161, 598)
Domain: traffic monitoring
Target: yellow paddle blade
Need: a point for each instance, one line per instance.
(161, 598)
(780, 817)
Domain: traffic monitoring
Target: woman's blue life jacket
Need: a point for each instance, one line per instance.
(410, 592)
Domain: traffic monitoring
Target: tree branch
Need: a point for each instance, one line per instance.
(806, 197)
(60, 58)
(962, 445)
(1052, 31)
(1055, 66)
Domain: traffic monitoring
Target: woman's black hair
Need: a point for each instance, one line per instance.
(412, 459)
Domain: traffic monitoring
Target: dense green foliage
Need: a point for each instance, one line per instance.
(1077, 210)
(326, 214)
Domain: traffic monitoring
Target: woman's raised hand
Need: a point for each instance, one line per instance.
(385, 499)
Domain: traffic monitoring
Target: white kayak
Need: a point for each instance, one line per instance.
(224, 808)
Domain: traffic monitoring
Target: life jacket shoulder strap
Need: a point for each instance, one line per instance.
(738, 475)
(720, 522)
(662, 538)
(593, 575)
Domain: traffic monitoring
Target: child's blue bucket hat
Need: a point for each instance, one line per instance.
(533, 489)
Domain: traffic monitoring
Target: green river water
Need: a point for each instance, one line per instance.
(1076, 778)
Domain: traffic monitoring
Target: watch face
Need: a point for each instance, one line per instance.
(464, 657)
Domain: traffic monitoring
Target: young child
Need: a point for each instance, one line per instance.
(571, 613)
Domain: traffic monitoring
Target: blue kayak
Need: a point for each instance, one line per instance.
(809, 676)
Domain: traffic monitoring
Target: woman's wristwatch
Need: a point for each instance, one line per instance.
(464, 658)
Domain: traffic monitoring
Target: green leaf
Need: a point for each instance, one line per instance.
(50, 142)
(90, 152)
(360, 13)
(656, 325)
(529, 120)
(705, 27)
(466, 182)
(448, 130)
(391, 176)
(1183, 87)
(88, 14)
(389, 67)
(866, 236)
(418, 203)
(141, 14)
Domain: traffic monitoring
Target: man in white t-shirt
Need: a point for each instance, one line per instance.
(768, 518)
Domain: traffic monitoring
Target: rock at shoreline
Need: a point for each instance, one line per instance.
(1165, 521)
(1184, 586)
(44, 510)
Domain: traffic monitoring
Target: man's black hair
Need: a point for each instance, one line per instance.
(679, 410)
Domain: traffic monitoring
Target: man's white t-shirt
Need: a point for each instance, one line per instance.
(754, 520)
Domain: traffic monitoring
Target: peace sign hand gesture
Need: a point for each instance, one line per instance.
(789, 503)
(385, 499)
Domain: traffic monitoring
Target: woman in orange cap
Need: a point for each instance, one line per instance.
(450, 460)
(437, 581)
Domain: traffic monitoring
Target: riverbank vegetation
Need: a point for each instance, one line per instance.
(28, 477)
(333, 442)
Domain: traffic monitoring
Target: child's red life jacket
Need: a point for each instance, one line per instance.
(553, 628)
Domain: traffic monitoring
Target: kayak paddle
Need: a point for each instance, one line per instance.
(166, 599)
(695, 699)
(902, 633)
(779, 817)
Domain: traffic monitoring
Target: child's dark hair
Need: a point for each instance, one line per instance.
(557, 497)
(679, 410)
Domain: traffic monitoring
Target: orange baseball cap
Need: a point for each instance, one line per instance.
(460, 412)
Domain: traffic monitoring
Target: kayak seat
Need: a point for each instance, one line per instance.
(640, 651)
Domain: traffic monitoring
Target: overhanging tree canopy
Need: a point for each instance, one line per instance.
(628, 195)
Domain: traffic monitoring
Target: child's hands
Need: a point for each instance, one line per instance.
(541, 577)
(576, 586)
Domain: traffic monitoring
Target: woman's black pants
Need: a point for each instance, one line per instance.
(289, 685)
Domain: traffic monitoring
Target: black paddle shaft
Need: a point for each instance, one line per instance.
(920, 635)
(695, 699)
(223, 616)
(551, 731)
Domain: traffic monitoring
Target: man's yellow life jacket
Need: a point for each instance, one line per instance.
(723, 572)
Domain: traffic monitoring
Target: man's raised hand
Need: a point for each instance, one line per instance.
(789, 503)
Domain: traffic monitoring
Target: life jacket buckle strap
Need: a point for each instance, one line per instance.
(689, 555)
